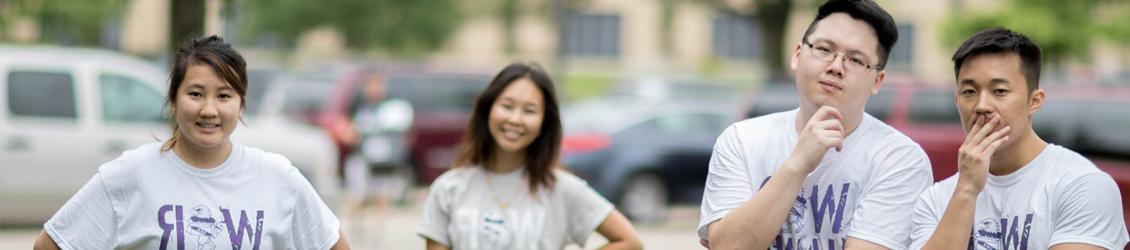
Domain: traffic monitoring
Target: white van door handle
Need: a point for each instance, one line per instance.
(17, 144)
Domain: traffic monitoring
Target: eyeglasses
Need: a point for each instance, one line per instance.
(851, 63)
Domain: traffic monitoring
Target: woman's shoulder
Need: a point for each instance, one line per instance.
(266, 162)
(566, 179)
(263, 158)
(132, 159)
(456, 176)
(452, 182)
(123, 171)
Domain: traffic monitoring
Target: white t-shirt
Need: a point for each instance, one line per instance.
(867, 191)
(1058, 197)
(463, 211)
(147, 199)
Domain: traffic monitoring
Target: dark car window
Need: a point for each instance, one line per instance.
(303, 99)
(648, 132)
(437, 93)
(774, 99)
(704, 125)
(126, 99)
(257, 84)
(879, 105)
(41, 94)
(1105, 125)
(933, 106)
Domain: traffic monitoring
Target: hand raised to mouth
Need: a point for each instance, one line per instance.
(973, 159)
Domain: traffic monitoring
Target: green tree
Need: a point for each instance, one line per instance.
(771, 16)
(398, 26)
(62, 21)
(1065, 30)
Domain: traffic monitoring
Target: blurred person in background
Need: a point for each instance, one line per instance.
(1013, 189)
(825, 175)
(380, 151)
(507, 190)
(198, 189)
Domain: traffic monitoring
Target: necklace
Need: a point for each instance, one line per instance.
(494, 194)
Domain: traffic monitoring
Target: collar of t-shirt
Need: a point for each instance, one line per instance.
(1014, 177)
(503, 181)
(223, 168)
(504, 186)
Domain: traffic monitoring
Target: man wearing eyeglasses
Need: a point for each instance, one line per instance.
(825, 175)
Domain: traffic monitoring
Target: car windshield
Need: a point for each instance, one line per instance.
(302, 96)
(678, 88)
(437, 93)
(257, 82)
(306, 97)
(602, 115)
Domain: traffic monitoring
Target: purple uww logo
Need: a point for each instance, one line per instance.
(203, 227)
(1001, 234)
(822, 207)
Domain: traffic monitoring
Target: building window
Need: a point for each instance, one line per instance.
(595, 35)
(736, 37)
(902, 55)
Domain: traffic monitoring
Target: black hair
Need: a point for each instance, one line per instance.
(867, 11)
(998, 40)
(209, 51)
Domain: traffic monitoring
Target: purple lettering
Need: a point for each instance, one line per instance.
(819, 209)
(167, 228)
(236, 235)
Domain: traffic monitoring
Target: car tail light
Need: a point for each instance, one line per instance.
(585, 143)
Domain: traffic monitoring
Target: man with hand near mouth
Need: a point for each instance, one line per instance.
(1012, 189)
(825, 175)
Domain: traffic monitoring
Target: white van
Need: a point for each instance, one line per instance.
(65, 111)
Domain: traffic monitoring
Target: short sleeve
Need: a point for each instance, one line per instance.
(888, 199)
(436, 215)
(925, 220)
(1090, 212)
(587, 208)
(315, 226)
(87, 220)
(728, 183)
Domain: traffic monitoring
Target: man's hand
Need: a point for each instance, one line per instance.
(823, 131)
(974, 156)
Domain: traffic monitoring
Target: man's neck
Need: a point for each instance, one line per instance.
(1006, 161)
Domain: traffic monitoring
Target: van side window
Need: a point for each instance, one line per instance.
(126, 99)
(41, 94)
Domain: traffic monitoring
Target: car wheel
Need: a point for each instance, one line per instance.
(644, 199)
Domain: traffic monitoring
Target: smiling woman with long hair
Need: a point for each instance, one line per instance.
(507, 190)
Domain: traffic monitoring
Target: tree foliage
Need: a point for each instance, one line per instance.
(1063, 29)
(63, 21)
(772, 17)
(399, 26)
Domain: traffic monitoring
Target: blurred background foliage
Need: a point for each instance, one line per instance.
(399, 26)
